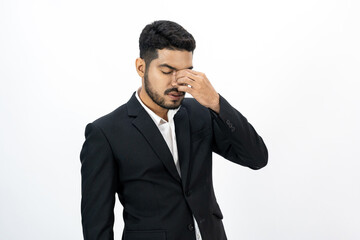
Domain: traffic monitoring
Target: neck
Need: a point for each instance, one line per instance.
(161, 112)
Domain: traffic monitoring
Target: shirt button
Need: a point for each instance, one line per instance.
(191, 227)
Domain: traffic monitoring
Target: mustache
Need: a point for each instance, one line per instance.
(173, 90)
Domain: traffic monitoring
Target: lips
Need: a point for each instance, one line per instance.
(176, 94)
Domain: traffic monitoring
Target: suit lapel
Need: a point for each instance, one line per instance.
(149, 130)
(182, 129)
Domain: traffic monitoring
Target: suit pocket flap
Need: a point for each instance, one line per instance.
(145, 235)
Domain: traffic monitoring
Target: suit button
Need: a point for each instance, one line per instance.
(187, 193)
(229, 124)
(191, 227)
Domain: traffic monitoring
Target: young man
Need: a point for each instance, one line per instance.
(155, 151)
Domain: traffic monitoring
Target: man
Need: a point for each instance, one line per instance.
(155, 151)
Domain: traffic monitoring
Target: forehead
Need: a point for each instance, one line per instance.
(175, 58)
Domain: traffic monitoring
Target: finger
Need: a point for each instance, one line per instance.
(185, 89)
(195, 72)
(186, 81)
(186, 73)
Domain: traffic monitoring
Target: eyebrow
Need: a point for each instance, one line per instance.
(173, 68)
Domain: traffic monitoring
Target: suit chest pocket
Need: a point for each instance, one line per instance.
(201, 134)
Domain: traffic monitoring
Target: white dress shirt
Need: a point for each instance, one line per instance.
(167, 129)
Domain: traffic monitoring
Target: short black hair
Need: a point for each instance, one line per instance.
(164, 35)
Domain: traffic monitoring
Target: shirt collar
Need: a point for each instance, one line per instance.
(158, 120)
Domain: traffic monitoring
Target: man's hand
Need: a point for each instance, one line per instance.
(197, 84)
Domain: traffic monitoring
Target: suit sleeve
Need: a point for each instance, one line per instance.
(235, 138)
(98, 185)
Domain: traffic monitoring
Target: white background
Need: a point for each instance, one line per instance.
(291, 67)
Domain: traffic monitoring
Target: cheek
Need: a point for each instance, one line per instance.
(153, 76)
(159, 80)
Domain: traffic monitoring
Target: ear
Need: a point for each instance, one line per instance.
(140, 67)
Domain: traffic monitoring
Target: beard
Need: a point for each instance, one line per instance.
(157, 98)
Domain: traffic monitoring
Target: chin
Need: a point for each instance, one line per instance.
(174, 104)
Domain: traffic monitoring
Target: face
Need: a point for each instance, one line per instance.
(159, 78)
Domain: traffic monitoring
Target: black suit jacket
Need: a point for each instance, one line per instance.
(125, 153)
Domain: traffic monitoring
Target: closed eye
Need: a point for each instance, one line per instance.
(166, 72)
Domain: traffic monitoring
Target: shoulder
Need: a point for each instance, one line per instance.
(112, 119)
(193, 107)
(199, 116)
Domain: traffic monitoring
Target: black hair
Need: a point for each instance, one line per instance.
(164, 35)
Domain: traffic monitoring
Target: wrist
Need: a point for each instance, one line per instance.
(216, 104)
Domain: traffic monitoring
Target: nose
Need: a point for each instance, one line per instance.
(173, 79)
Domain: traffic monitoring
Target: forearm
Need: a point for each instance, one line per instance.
(236, 139)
